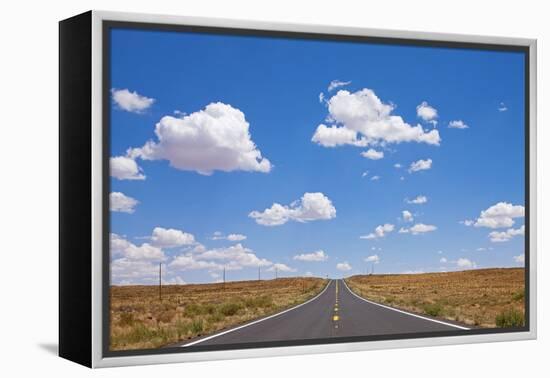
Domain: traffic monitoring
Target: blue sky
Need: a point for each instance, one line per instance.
(208, 175)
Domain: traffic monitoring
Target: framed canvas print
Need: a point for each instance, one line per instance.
(232, 189)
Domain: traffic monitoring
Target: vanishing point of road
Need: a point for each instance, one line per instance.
(335, 312)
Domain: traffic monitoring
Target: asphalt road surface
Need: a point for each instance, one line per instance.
(335, 312)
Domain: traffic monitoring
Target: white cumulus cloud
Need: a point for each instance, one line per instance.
(373, 259)
(235, 255)
(125, 168)
(418, 200)
(417, 229)
(215, 138)
(236, 237)
(125, 271)
(311, 207)
(280, 267)
(313, 256)
(504, 236)
(372, 154)
(343, 266)
(122, 247)
(421, 228)
(146, 257)
(427, 113)
(119, 202)
(458, 124)
(361, 119)
(420, 165)
(520, 259)
(144, 252)
(379, 231)
(500, 215)
(131, 101)
(333, 136)
(170, 238)
(118, 244)
(188, 262)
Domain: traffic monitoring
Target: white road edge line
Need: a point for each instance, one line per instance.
(404, 312)
(257, 321)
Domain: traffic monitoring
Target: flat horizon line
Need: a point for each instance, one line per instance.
(318, 277)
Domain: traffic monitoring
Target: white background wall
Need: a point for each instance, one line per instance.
(28, 186)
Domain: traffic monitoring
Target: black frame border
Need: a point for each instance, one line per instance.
(75, 189)
(108, 25)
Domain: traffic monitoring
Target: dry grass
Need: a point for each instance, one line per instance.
(139, 320)
(483, 297)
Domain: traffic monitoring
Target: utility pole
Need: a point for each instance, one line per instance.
(160, 281)
(259, 277)
(276, 272)
(224, 277)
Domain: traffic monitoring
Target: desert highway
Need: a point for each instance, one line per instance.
(335, 312)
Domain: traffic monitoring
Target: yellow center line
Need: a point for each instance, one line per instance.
(335, 316)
